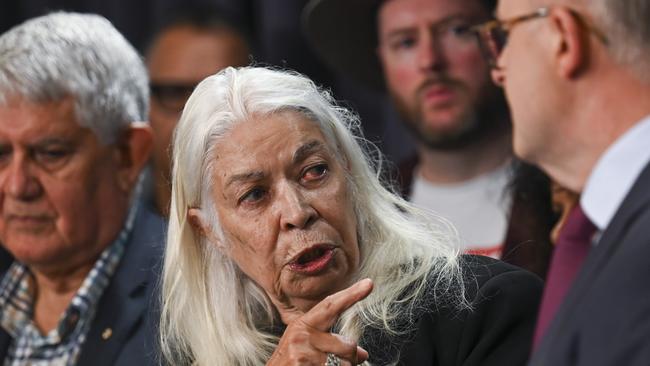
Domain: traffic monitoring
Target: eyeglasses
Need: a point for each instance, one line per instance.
(172, 96)
(493, 35)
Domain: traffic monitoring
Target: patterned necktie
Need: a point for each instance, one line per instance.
(572, 246)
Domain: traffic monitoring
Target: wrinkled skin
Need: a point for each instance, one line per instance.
(280, 191)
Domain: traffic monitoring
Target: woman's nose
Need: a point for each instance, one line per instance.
(295, 210)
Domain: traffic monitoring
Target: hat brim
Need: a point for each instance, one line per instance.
(344, 34)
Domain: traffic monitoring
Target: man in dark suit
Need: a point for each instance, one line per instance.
(77, 277)
(577, 76)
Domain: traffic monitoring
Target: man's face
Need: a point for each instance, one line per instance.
(179, 59)
(524, 71)
(435, 71)
(283, 203)
(60, 201)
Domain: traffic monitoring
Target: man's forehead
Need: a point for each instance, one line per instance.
(511, 8)
(404, 13)
(41, 120)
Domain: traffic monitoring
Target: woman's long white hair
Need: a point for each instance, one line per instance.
(213, 314)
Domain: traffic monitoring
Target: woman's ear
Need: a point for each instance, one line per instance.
(200, 224)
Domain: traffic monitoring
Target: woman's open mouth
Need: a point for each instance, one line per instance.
(313, 260)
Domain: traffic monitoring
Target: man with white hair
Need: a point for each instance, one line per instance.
(577, 76)
(77, 286)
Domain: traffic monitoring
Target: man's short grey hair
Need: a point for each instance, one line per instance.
(626, 24)
(61, 55)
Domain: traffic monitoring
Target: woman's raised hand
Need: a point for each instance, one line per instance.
(307, 339)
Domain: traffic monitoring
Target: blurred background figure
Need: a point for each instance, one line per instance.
(77, 284)
(195, 42)
(423, 53)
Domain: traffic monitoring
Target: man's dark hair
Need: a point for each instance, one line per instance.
(200, 16)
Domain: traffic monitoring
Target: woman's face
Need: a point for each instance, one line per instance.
(284, 206)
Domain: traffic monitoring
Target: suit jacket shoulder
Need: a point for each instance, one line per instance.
(497, 330)
(604, 319)
(124, 331)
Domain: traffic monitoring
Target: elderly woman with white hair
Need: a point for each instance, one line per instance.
(284, 248)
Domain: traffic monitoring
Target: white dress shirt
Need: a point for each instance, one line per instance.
(615, 173)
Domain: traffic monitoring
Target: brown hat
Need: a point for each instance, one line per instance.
(344, 34)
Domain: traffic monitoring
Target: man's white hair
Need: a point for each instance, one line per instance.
(212, 313)
(60, 55)
(626, 24)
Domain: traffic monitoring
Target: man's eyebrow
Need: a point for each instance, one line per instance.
(408, 29)
(52, 141)
(307, 149)
(245, 177)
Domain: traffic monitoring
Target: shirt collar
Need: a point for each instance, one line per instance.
(615, 173)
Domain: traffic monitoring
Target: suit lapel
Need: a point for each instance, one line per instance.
(127, 297)
(5, 341)
(637, 199)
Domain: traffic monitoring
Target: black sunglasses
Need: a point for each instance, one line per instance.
(171, 96)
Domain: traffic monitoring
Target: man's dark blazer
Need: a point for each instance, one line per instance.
(605, 318)
(124, 331)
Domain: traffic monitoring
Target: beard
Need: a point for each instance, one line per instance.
(476, 120)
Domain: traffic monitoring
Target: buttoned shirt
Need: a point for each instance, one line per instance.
(615, 173)
(62, 345)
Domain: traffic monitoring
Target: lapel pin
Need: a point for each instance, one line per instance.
(107, 333)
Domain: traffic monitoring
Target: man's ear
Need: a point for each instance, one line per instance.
(134, 148)
(199, 223)
(572, 46)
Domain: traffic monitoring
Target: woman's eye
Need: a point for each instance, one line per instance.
(253, 196)
(315, 172)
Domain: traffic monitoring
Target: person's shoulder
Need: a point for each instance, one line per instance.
(485, 277)
(143, 255)
(5, 261)
(150, 228)
(496, 326)
(483, 269)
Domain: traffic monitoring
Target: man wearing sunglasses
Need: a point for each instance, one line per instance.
(193, 44)
(577, 76)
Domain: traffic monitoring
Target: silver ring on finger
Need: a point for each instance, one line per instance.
(332, 360)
